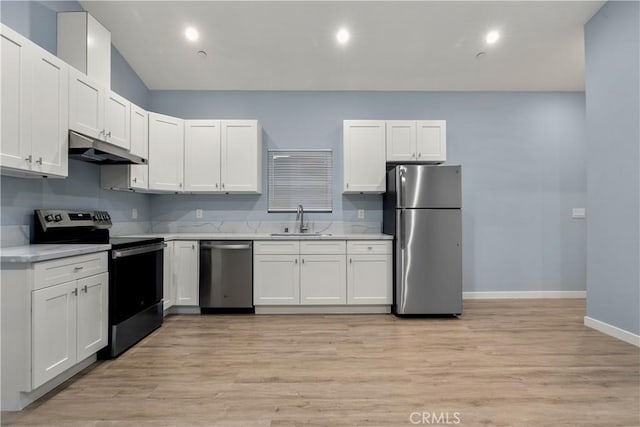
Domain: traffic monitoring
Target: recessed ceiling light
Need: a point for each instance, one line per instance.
(343, 36)
(191, 34)
(492, 37)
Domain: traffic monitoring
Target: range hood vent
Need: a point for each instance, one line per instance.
(92, 150)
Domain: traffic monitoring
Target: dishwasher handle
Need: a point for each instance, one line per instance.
(224, 247)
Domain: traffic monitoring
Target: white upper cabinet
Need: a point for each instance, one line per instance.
(241, 156)
(86, 45)
(117, 121)
(432, 140)
(34, 108)
(166, 153)
(139, 135)
(202, 156)
(364, 156)
(422, 141)
(401, 140)
(86, 105)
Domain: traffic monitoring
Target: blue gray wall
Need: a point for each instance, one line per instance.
(613, 178)
(81, 189)
(523, 159)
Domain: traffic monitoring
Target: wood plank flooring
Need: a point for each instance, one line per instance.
(503, 363)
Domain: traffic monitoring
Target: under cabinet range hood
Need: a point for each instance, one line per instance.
(93, 150)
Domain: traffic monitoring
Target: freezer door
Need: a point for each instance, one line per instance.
(426, 186)
(428, 261)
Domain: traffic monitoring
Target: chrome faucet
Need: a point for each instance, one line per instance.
(300, 215)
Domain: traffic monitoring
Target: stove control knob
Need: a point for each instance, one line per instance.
(48, 218)
(107, 217)
(58, 218)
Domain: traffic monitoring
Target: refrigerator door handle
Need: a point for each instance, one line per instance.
(401, 223)
(400, 186)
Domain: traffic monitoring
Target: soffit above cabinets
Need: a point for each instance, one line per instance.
(291, 45)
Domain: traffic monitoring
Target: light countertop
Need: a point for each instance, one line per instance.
(263, 236)
(34, 253)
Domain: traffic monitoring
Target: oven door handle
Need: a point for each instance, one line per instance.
(137, 251)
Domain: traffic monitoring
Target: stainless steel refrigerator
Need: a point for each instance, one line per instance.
(422, 209)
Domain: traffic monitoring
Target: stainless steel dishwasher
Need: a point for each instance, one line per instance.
(226, 277)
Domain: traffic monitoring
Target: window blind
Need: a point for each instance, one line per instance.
(300, 177)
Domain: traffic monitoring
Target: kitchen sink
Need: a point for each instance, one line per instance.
(301, 234)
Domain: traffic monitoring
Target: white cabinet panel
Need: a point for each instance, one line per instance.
(186, 272)
(86, 105)
(117, 121)
(323, 279)
(15, 78)
(53, 318)
(432, 140)
(241, 156)
(166, 153)
(168, 290)
(98, 51)
(139, 132)
(93, 312)
(276, 280)
(368, 247)
(276, 247)
(364, 156)
(369, 279)
(202, 155)
(320, 247)
(52, 272)
(401, 140)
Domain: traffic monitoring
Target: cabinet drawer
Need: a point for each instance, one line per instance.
(49, 273)
(369, 247)
(331, 247)
(276, 247)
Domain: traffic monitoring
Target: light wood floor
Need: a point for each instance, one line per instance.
(520, 363)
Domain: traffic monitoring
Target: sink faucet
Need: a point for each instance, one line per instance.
(300, 215)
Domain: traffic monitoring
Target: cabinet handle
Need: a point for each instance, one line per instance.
(193, 247)
(350, 261)
(85, 289)
(75, 292)
(347, 185)
(413, 155)
(303, 260)
(109, 134)
(369, 247)
(102, 132)
(419, 154)
(39, 161)
(135, 180)
(29, 159)
(223, 185)
(296, 260)
(78, 268)
(216, 185)
(180, 185)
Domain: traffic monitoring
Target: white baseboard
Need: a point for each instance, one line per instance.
(613, 331)
(524, 295)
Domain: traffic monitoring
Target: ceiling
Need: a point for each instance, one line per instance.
(291, 45)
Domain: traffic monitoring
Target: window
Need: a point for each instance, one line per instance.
(300, 177)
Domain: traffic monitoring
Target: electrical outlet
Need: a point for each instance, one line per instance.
(134, 213)
(198, 213)
(360, 213)
(578, 213)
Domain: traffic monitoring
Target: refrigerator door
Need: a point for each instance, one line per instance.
(425, 186)
(428, 261)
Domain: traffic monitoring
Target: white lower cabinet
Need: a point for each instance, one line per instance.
(276, 279)
(169, 288)
(54, 318)
(323, 279)
(322, 273)
(186, 272)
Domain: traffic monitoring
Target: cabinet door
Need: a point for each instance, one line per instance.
(15, 80)
(364, 156)
(50, 114)
(241, 156)
(139, 134)
(86, 105)
(117, 121)
(166, 152)
(276, 280)
(369, 279)
(202, 156)
(401, 140)
(323, 279)
(93, 314)
(98, 51)
(186, 272)
(53, 317)
(432, 140)
(168, 288)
